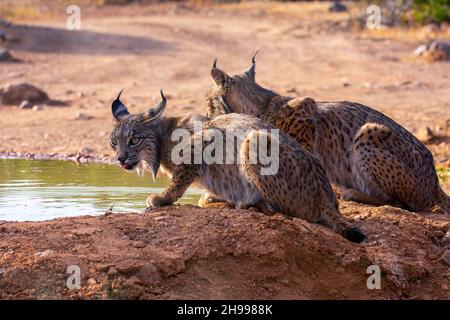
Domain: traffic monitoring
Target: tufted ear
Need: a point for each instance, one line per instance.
(118, 108)
(251, 71)
(157, 110)
(219, 77)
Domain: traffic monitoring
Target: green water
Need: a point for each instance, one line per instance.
(32, 190)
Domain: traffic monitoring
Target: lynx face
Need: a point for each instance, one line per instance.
(238, 93)
(136, 138)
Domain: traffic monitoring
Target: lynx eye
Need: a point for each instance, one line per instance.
(113, 142)
(134, 141)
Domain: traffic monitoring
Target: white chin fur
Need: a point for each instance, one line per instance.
(141, 167)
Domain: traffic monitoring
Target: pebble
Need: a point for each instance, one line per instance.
(446, 238)
(25, 104)
(86, 150)
(83, 116)
(91, 282)
(45, 254)
(38, 108)
(445, 259)
(112, 271)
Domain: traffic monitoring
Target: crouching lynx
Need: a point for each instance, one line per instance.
(370, 156)
(299, 188)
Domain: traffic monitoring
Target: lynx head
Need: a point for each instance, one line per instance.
(239, 93)
(136, 138)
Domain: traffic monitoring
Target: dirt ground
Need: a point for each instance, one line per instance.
(188, 252)
(192, 253)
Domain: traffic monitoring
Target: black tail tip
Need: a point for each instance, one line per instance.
(353, 235)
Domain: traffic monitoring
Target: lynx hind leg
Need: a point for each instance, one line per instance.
(300, 188)
(332, 218)
(384, 177)
(271, 186)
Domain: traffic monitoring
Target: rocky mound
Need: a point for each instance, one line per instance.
(188, 252)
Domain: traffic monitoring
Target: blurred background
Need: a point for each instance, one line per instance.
(63, 62)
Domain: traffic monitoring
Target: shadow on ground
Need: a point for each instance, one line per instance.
(55, 40)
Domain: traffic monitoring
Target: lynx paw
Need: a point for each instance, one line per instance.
(155, 201)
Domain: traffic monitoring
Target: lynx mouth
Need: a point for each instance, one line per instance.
(129, 166)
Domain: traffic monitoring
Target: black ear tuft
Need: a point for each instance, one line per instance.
(118, 108)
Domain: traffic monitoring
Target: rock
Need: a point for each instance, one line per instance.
(434, 50)
(86, 150)
(112, 271)
(83, 116)
(129, 266)
(337, 6)
(445, 259)
(5, 56)
(446, 238)
(138, 244)
(38, 108)
(421, 49)
(15, 94)
(425, 134)
(3, 36)
(44, 255)
(91, 282)
(438, 234)
(25, 104)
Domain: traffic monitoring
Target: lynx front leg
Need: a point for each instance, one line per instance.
(357, 196)
(209, 200)
(182, 178)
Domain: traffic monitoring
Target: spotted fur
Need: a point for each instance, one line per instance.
(373, 158)
(300, 188)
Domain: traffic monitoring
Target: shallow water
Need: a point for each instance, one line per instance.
(32, 190)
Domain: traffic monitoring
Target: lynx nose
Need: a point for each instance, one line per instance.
(122, 159)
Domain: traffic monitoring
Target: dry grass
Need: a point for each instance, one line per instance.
(311, 11)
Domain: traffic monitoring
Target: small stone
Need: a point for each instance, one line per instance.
(138, 244)
(438, 234)
(112, 271)
(6, 56)
(25, 104)
(425, 134)
(446, 238)
(420, 49)
(44, 254)
(129, 266)
(337, 6)
(83, 116)
(38, 108)
(91, 282)
(86, 150)
(125, 237)
(445, 259)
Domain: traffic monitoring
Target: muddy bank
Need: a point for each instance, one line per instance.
(187, 252)
(78, 157)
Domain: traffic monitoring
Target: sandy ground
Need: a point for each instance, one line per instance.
(188, 252)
